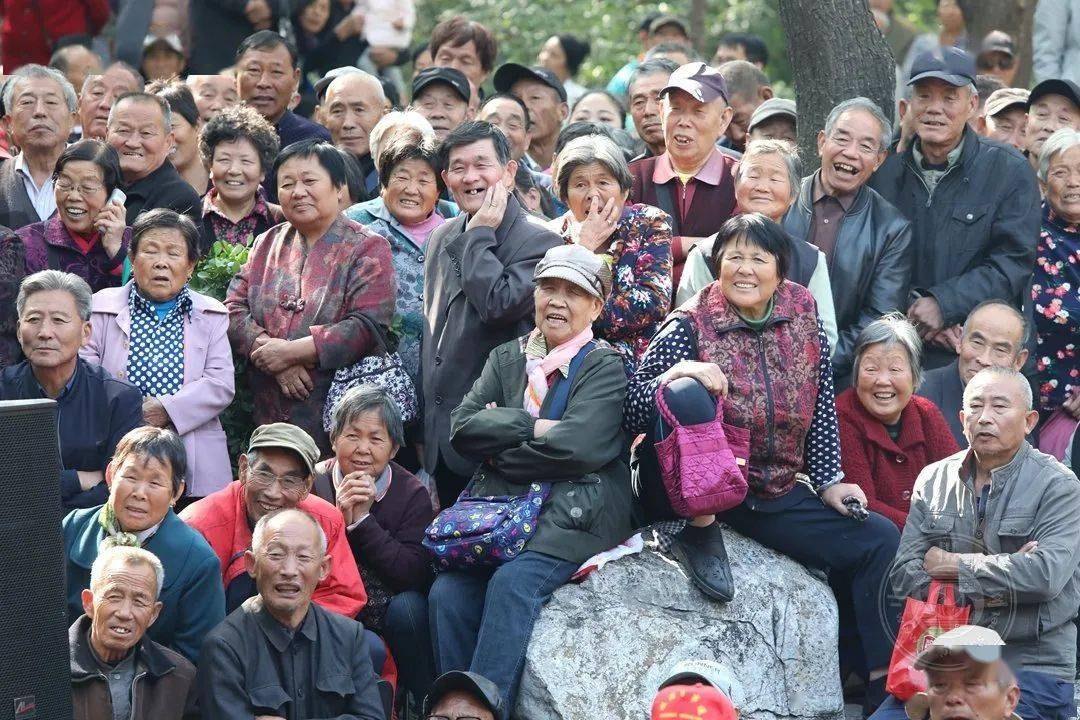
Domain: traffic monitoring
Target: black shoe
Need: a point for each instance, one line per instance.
(701, 552)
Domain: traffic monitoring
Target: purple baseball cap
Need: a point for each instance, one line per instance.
(703, 82)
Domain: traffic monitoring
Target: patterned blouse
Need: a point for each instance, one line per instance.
(217, 226)
(1055, 294)
(640, 253)
(156, 356)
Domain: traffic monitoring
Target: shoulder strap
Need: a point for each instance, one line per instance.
(666, 201)
(561, 392)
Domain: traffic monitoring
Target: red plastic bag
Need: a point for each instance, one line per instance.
(922, 623)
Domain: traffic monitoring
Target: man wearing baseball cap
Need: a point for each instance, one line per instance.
(773, 119)
(702, 689)
(442, 95)
(545, 97)
(460, 694)
(1004, 119)
(692, 181)
(1052, 105)
(997, 57)
(973, 207)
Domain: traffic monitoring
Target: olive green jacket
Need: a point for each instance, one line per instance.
(584, 457)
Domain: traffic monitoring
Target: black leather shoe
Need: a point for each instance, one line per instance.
(701, 552)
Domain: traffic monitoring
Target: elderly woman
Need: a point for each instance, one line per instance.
(1055, 289)
(186, 126)
(386, 510)
(601, 107)
(170, 342)
(592, 178)
(239, 147)
(767, 182)
(546, 409)
(406, 212)
(145, 479)
(753, 338)
(316, 293)
(887, 433)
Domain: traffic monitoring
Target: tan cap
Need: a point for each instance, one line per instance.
(1004, 99)
(578, 265)
(290, 437)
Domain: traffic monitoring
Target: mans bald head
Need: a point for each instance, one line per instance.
(353, 103)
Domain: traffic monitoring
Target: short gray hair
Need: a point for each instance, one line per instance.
(866, 105)
(1003, 373)
(759, 148)
(392, 119)
(892, 330)
(368, 398)
(125, 556)
(1059, 142)
(148, 98)
(29, 72)
(258, 535)
(48, 280)
(586, 150)
(743, 78)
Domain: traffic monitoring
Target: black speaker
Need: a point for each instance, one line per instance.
(35, 674)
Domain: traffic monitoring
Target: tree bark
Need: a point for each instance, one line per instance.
(1016, 17)
(836, 53)
(697, 25)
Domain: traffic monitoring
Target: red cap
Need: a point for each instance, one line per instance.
(692, 702)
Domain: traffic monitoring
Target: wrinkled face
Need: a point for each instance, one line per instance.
(364, 445)
(742, 110)
(272, 478)
(995, 416)
(779, 127)
(266, 80)
(50, 329)
(161, 62)
(141, 492)
(592, 182)
(186, 137)
(39, 117)
(691, 129)
(82, 63)
(307, 195)
(1047, 115)
(850, 153)
(443, 107)
(563, 310)
(546, 110)
(351, 108)
(213, 93)
(471, 170)
(764, 185)
(509, 117)
(98, 96)
(597, 108)
(969, 690)
(553, 57)
(1063, 184)
(464, 58)
(748, 276)
(941, 111)
(139, 135)
(288, 566)
(236, 170)
(993, 339)
(458, 704)
(122, 606)
(412, 191)
(80, 195)
(313, 17)
(645, 108)
(161, 266)
(885, 381)
(1008, 127)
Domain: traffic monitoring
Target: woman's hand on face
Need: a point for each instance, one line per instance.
(600, 224)
(295, 382)
(111, 221)
(273, 356)
(154, 413)
(708, 374)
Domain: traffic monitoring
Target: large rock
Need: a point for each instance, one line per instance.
(600, 648)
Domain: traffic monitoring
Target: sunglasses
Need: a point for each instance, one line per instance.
(1005, 63)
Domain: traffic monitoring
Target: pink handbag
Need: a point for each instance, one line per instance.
(704, 467)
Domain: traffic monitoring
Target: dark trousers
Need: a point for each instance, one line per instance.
(482, 620)
(448, 483)
(1042, 697)
(406, 632)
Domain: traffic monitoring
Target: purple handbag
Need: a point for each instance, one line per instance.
(704, 467)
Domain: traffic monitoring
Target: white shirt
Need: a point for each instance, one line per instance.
(42, 198)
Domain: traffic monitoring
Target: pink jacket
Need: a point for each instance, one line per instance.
(208, 378)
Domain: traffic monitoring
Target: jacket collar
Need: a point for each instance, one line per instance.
(911, 431)
(1000, 476)
(116, 301)
(969, 142)
(711, 172)
(279, 635)
(85, 667)
(807, 191)
(170, 543)
(723, 317)
(1059, 223)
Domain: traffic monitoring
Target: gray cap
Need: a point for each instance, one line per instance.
(770, 109)
(290, 437)
(578, 265)
(711, 672)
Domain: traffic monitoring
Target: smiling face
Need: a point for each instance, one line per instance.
(352, 107)
(50, 329)
(850, 152)
(213, 93)
(969, 690)
(764, 185)
(412, 191)
(748, 276)
(885, 382)
(161, 266)
(98, 96)
(186, 137)
(691, 128)
(1047, 115)
(272, 479)
(996, 417)
(509, 117)
(597, 108)
(80, 195)
(139, 135)
(39, 118)
(1063, 184)
(471, 170)
(645, 109)
(1008, 127)
(592, 182)
(941, 111)
(236, 170)
(364, 445)
(309, 200)
(288, 567)
(563, 310)
(443, 107)
(121, 607)
(266, 80)
(993, 337)
(141, 492)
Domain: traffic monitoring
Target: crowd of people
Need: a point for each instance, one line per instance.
(475, 306)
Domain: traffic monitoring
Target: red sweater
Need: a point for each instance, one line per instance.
(885, 469)
(32, 27)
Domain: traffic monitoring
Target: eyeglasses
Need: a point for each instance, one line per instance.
(290, 485)
(1005, 63)
(86, 187)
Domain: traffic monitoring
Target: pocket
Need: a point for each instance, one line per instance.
(966, 228)
(268, 698)
(575, 504)
(334, 692)
(938, 528)
(1015, 531)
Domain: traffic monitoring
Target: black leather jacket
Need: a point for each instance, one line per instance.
(869, 267)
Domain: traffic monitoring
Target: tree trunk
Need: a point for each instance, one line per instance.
(836, 53)
(1016, 17)
(697, 25)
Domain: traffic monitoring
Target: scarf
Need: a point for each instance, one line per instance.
(538, 367)
(114, 536)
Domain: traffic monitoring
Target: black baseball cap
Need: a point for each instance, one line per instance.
(468, 682)
(454, 78)
(1056, 86)
(510, 73)
(950, 64)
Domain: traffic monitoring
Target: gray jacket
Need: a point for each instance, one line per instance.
(478, 294)
(1056, 43)
(1030, 599)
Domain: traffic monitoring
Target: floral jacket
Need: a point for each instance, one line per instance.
(1055, 296)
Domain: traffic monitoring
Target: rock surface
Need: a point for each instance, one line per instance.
(600, 648)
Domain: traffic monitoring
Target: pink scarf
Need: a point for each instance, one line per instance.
(538, 368)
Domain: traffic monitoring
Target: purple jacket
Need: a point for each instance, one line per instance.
(208, 378)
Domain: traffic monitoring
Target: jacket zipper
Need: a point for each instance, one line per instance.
(929, 192)
(770, 409)
(135, 694)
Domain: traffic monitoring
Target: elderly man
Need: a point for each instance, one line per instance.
(545, 97)
(40, 105)
(1004, 117)
(99, 94)
(276, 472)
(1052, 105)
(76, 62)
(279, 655)
(477, 286)
(866, 240)
(350, 106)
(747, 87)
(140, 130)
(117, 673)
(774, 119)
(648, 80)
(973, 205)
(999, 520)
(212, 93)
(94, 409)
(460, 694)
(442, 95)
(692, 181)
(995, 334)
(508, 113)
